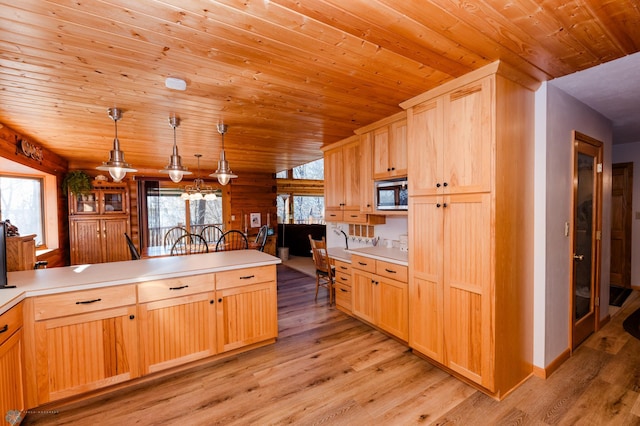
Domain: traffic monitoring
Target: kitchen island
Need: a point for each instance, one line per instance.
(87, 328)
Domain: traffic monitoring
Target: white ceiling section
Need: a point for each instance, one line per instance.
(612, 89)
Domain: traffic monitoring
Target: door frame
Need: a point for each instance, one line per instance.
(596, 256)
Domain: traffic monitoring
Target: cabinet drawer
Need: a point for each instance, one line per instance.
(247, 276)
(334, 215)
(79, 302)
(343, 296)
(391, 270)
(10, 322)
(354, 217)
(343, 278)
(342, 266)
(363, 263)
(175, 287)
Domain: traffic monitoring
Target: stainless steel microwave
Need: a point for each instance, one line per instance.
(392, 195)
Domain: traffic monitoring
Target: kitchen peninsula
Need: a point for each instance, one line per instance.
(87, 327)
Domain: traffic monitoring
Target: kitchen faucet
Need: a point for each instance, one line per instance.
(346, 238)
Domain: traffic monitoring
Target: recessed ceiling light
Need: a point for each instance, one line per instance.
(175, 83)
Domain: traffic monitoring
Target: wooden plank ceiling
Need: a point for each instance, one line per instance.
(286, 76)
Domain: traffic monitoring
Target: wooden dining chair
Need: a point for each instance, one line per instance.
(189, 244)
(324, 271)
(172, 235)
(135, 255)
(232, 240)
(211, 234)
(261, 237)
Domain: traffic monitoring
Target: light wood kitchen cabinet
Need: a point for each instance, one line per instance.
(246, 307)
(177, 320)
(450, 141)
(367, 197)
(470, 241)
(342, 179)
(390, 150)
(21, 253)
(11, 362)
(97, 224)
(85, 340)
(378, 299)
(343, 286)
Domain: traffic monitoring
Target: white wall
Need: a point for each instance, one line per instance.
(630, 153)
(391, 229)
(554, 144)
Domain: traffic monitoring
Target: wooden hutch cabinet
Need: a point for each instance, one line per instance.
(97, 223)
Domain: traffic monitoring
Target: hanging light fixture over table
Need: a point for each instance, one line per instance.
(199, 190)
(116, 166)
(223, 173)
(175, 169)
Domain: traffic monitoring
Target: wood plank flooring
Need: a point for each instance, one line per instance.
(328, 368)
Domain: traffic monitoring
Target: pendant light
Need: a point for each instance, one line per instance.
(175, 169)
(199, 190)
(116, 166)
(224, 173)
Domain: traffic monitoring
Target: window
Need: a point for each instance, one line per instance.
(281, 175)
(165, 209)
(306, 209)
(22, 204)
(313, 170)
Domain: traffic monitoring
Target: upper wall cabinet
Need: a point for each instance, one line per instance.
(450, 148)
(342, 179)
(389, 141)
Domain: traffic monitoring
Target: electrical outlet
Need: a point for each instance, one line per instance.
(566, 229)
(233, 217)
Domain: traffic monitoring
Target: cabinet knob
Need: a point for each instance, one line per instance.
(445, 184)
(220, 300)
(132, 317)
(388, 169)
(211, 302)
(393, 168)
(438, 185)
(444, 205)
(438, 205)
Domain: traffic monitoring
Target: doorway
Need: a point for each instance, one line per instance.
(586, 242)
(621, 206)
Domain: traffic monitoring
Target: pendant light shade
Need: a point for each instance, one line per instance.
(116, 166)
(175, 169)
(223, 173)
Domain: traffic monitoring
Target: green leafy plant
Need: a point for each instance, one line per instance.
(76, 181)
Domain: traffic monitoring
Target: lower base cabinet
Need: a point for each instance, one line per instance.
(343, 293)
(85, 340)
(246, 307)
(378, 299)
(177, 321)
(11, 364)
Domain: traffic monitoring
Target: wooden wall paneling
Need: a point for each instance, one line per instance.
(252, 193)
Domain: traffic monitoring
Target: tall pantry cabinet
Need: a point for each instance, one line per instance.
(470, 167)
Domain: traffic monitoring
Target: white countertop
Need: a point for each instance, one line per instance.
(39, 282)
(386, 254)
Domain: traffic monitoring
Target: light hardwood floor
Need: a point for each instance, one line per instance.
(328, 368)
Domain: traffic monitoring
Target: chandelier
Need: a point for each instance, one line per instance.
(199, 190)
(223, 173)
(116, 166)
(175, 169)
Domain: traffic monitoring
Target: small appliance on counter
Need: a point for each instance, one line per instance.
(404, 242)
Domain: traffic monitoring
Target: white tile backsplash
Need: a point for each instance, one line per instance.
(391, 230)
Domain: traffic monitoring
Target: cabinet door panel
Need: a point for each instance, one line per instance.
(178, 330)
(80, 353)
(468, 325)
(426, 276)
(86, 241)
(468, 135)
(424, 148)
(351, 176)
(334, 185)
(393, 314)
(115, 245)
(398, 148)
(11, 370)
(365, 296)
(381, 153)
(246, 315)
(366, 174)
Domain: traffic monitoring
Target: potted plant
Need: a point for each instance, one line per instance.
(76, 181)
